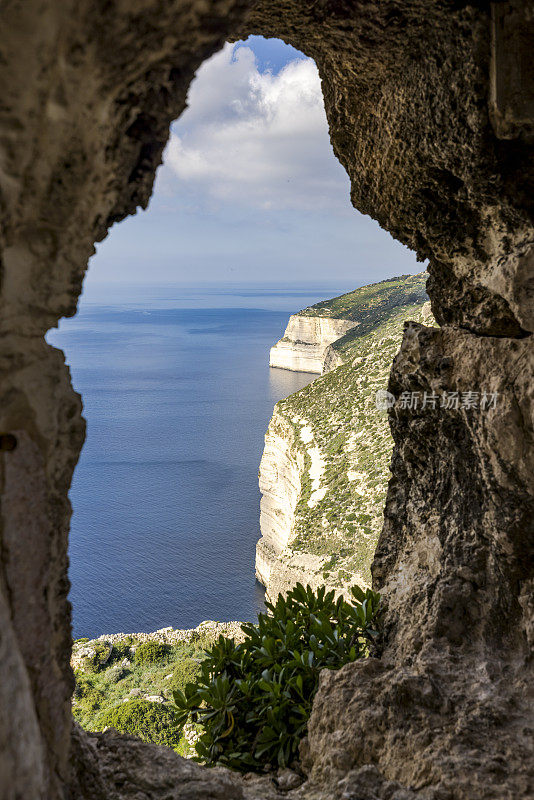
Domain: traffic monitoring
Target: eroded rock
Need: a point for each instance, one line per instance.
(447, 711)
(120, 767)
(432, 119)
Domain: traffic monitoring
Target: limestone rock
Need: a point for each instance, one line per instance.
(324, 468)
(125, 768)
(454, 675)
(305, 341)
(317, 338)
(288, 779)
(168, 635)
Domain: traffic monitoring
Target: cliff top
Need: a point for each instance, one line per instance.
(373, 302)
(343, 443)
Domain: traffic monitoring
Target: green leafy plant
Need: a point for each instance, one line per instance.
(253, 699)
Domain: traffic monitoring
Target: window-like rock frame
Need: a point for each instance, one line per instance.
(422, 102)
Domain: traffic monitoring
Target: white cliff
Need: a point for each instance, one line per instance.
(279, 478)
(288, 445)
(306, 340)
(325, 467)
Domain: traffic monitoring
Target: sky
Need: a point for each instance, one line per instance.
(250, 191)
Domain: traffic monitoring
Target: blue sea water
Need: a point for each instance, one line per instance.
(177, 395)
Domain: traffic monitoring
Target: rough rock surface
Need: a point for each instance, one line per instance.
(455, 679)
(410, 95)
(124, 768)
(84, 647)
(431, 111)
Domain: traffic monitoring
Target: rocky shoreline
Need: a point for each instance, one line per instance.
(169, 636)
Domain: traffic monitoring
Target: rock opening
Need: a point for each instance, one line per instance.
(430, 111)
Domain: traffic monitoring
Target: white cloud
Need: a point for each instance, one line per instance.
(256, 139)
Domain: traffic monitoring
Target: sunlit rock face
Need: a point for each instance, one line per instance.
(430, 110)
(305, 342)
(282, 472)
(280, 485)
(324, 469)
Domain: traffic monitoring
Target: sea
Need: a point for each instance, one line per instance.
(177, 394)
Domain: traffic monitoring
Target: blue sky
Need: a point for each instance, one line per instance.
(271, 54)
(250, 190)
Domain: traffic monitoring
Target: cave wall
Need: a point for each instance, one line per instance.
(431, 109)
(88, 92)
(409, 99)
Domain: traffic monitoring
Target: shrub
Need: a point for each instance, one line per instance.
(121, 650)
(98, 658)
(185, 671)
(254, 699)
(89, 697)
(151, 652)
(117, 673)
(152, 722)
(82, 686)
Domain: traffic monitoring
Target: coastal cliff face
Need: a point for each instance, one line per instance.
(282, 477)
(305, 341)
(280, 486)
(324, 470)
(314, 338)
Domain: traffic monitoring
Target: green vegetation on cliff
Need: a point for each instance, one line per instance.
(339, 437)
(127, 682)
(242, 692)
(150, 721)
(371, 304)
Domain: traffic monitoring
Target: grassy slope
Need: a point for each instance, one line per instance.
(370, 304)
(111, 690)
(352, 435)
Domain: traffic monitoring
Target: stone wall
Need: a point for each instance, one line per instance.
(431, 108)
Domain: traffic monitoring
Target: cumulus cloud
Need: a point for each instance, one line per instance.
(256, 139)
